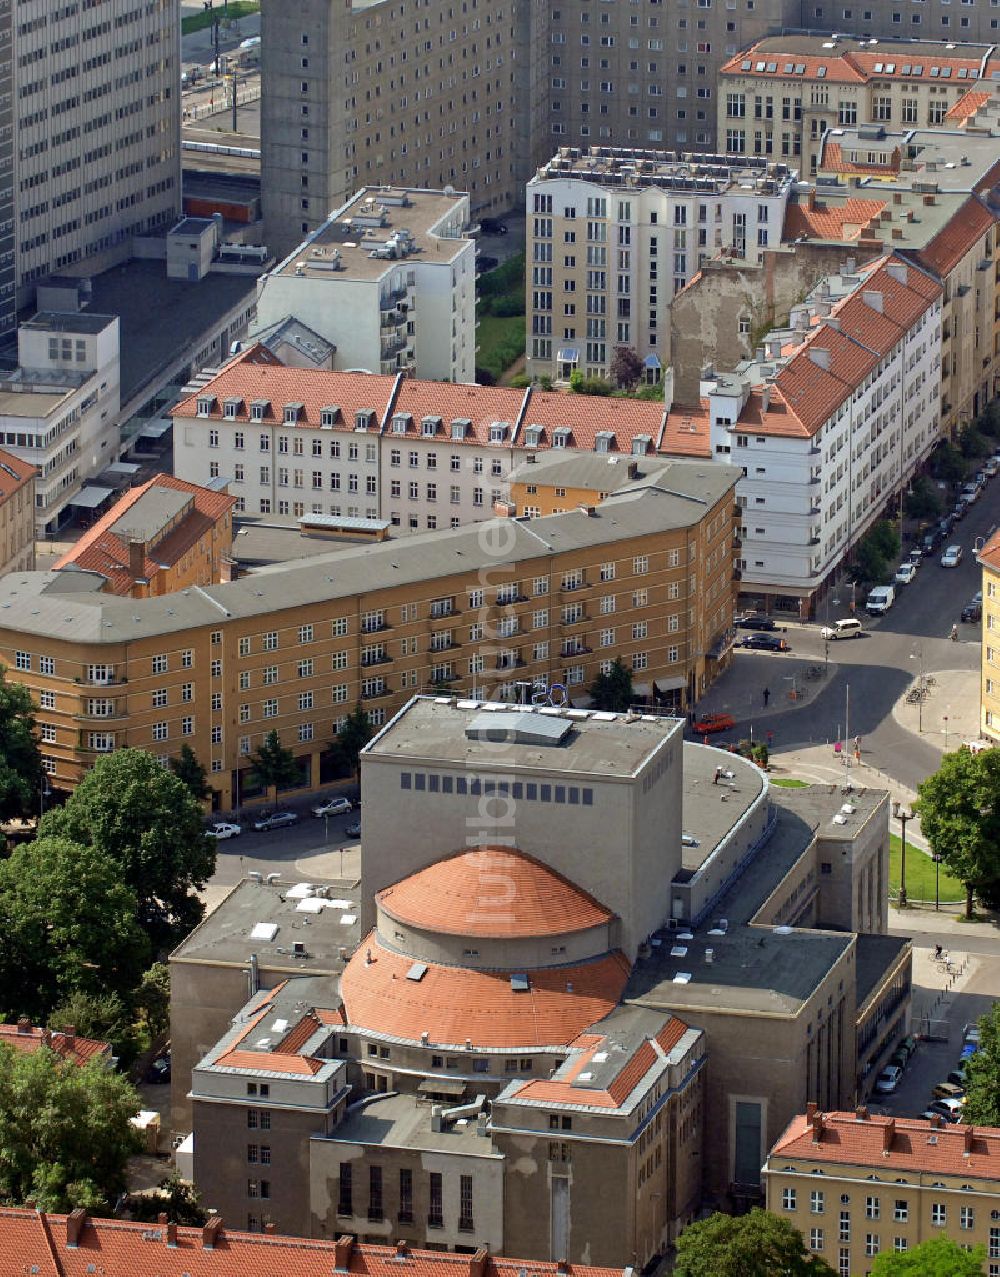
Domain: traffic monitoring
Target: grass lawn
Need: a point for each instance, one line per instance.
(234, 9)
(501, 342)
(920, 875)
(789, 782)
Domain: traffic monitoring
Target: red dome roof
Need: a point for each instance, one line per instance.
(492, 892)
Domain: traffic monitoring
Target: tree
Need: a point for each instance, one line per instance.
(959, 809)
(948, 465)
(613, 691)
(937, 1257)
(67, 924)
(187, 768)
(982, 1074)
(106, 1017)
(20, 760)
(874, 552)
(65, 1131)
(152, 999)
(146, 820)
(923, 501)
(626, 367)
(353, 737)
(174, 1196)
(272, 765)
(755, 1245)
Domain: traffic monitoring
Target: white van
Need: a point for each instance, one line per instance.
(847, 627)
(880, 600)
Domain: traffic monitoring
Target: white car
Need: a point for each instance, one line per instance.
(224, 829)
(952, 557)
(889, 1079)
(334, 807)
(846, 627)
(905, 573)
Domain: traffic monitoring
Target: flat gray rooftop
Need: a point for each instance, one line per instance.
(874, 957)
(817, 805)
(282, 917)
(925, 51)
(258, 544)
(84, 321)
(433, 729)
(404, 1121)
(583, 470)
(148, 516)
(705, 815)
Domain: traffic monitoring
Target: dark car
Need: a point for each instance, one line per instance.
(959, 512)
(483, 264)
(353, 831)
(972, 612)
(492, 226)
(276, 820)
(756, 623)
(765, 643)
(159, 1070)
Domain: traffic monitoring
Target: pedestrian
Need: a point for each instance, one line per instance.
(770, 739)
(767, 696)
(937, 951)
(857, 744)
(718, 775)
(954, 633)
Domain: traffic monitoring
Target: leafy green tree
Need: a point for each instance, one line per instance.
(613, 691)
(982, 1074)
(973, 444)
(147, 821)
(923, 501)
(959, 809)
(755, 1245)
(936, 1257)
(273, 766)
(105, 1017)
(353, 737)
(626, 367)
(174, 1197)
(65, 1131)
(187, 768)
(152, 1000)
(20, 760)
(67, 924)
(948, 465)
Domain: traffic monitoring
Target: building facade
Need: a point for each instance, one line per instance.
(989, 687)
(780, 96)
(856, 1185)
(17, 515)
(389, 281)
(613, 234)
(93, 154)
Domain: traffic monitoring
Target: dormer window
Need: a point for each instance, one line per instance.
(400, 421)
(293, 411)
(258, 409)
(231, 408)
(362, 419)
(460, 427)
(561, 437)
(328, 416)
(604, 441)
(205, 405)
(533, 436)
(429, 426)
(640, 445)
(498, 431)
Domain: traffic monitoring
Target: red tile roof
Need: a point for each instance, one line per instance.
(832, 161)
(989, 555)
(455, 1004)
(959, 236)
(819, 220)
(846, 65)
(586, 415)
(902, 1143)
(966, 106)
(838, 69)
(116, 1248)
(269, 1062)
(14, 474)
(687, 432)
(70, 1047)
(492, 891)
(482, 405)
(101, 550)
(246, 379)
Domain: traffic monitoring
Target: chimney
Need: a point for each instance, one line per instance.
(765, 399)
(928, 200)
(820, 356)
(833, 321)
(270, 1229)
(873, 299)
(811, 198)
(937, 1122)
(817, 1127)
(888, 1135)
(861, 1113)
(227, 571)
(23, 1024)
(897, 270)
(562, 1267)
(69, 1036)
(969, 1134)
(810, 1111)
(74, 1226)
(402, 1250)
(897, 197)
(211, 1233)
(342, 1253)
(46, 1037)
(774, 347)
(897, 233)
(137, 560)
(172, 1234)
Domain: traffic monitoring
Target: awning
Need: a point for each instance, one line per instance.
(155, 429)
(124, 469)
(568, 355)
(652, 361)
(442, 1086)
(90, 498)
(673, 684)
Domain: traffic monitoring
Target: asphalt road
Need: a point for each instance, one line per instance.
(285, 851)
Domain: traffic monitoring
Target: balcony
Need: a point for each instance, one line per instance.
(392, 345)
(374, 693)
(115, 679)
(579, 650)
(374, 627)
(381, 658)
(574, 585)
(574, 620)
(504, 600)
(115, 715)
(449, 646)
(509, 663)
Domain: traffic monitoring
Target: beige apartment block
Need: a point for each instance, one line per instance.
(613, 234)
(989, 690)
(781, 96)
(857, 1185)
(17, 515)
(367, 93)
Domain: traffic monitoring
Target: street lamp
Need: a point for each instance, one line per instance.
(902, 815)
(918, 655)
(937, 880)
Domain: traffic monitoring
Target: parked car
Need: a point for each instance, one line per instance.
(846, 627)
(756, 622)
(889, 1079)
(765, 643)
(159, 1069)
(957, 1078)
(972, 612)
(223, 829)
(880, 600)
(485, 263)
(948, 1091)
(916, 556)
(959, 512)
(930, 541)
(899, 1058)
(275, 820)
(714, 723)
(905, 573)
(354, 831)
(908, 1044)
(952, 557)
(334, 807)
(945, 525)
(970, 1033)
(492, 226)
(991, 467)
(950, 1110)
(968, 1051)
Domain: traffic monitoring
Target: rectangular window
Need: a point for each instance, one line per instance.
(405, 1214)
(345, 1201)
(465, 1221)
(435, 1206)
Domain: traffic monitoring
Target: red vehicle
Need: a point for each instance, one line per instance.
(714, 723)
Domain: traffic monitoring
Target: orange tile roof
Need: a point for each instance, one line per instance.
(989, 555)
(103, 551)
(492, 891)
(269, 1062)
(688, 431)
(961, 234)
(832, 161)
(813, 392)
(118, 1248)
(77, 1049)
(849, 1140)
(966, 106)
(453, 1004)
(586, 415)
(838, 68)
(482, 405)
(247, 379)
(850, 65)
(819, 220)
(14, 474)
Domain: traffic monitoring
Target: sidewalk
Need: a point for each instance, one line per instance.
(948, 714)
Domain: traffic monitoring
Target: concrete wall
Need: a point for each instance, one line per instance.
(854, 889)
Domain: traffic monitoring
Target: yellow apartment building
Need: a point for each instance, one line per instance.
(494, 608)
(989, 689)
(17, 514)
(856, 1185)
